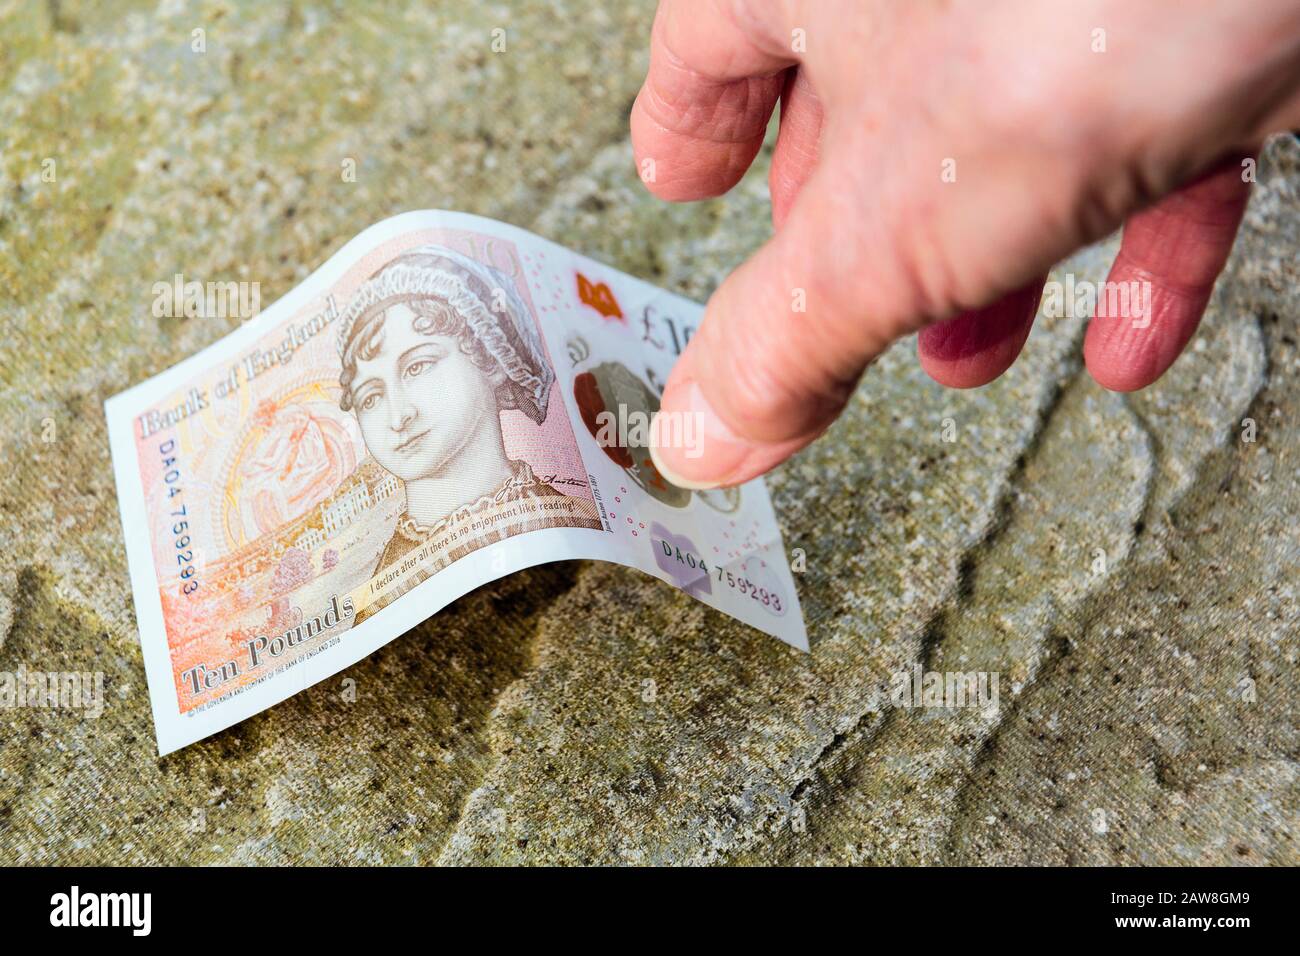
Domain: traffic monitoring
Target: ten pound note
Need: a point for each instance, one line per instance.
(445, 401)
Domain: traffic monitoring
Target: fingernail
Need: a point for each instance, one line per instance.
(691, 445)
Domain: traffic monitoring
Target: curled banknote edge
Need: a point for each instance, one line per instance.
(445, 401)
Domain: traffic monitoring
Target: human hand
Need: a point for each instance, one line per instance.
(934, 160)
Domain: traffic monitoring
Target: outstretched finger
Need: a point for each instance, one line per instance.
(1161, 281)
(974, 348)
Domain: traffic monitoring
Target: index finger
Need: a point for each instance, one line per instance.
(716, 71)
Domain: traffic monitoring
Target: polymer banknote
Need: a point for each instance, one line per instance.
(446, 400)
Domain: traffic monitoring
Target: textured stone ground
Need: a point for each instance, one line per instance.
(582, 712)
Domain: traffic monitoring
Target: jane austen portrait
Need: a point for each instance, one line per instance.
(434, 347)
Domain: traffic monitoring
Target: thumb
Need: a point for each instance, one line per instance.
(783, 342)
(870, 252)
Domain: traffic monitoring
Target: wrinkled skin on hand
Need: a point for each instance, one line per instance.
(934, 161)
